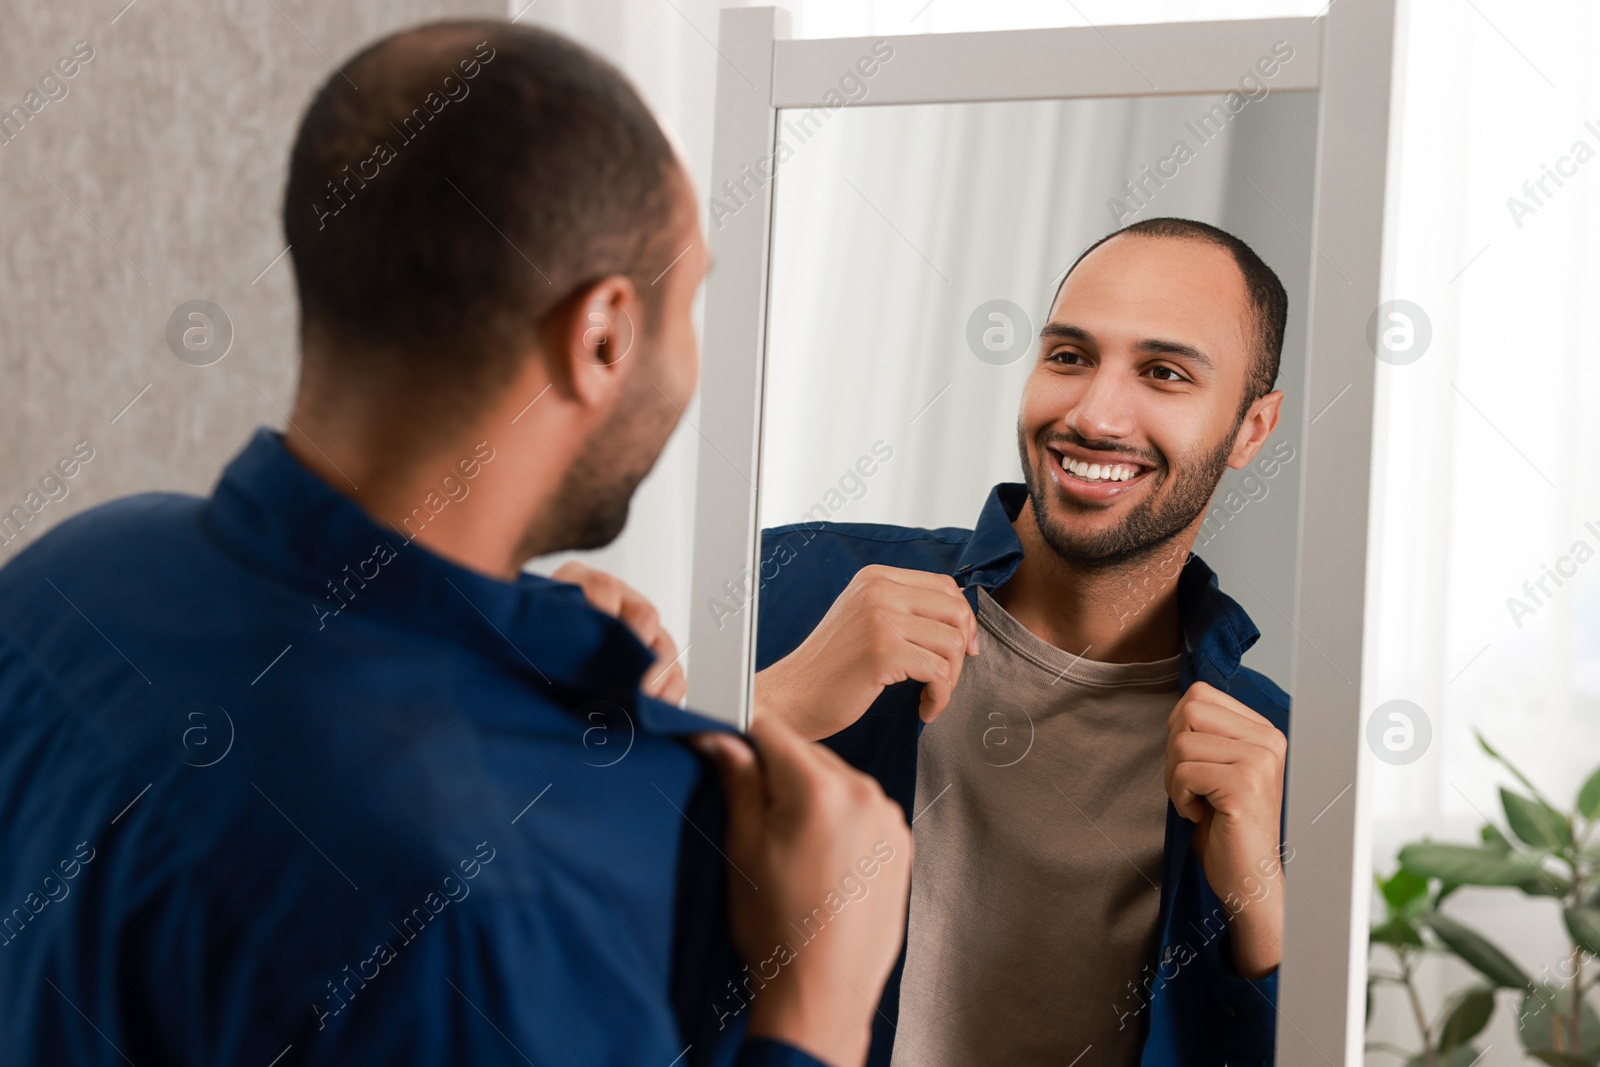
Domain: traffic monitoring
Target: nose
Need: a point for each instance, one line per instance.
(1104, 409)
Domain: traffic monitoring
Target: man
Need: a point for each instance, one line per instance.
(1075, 667)
(309, 772)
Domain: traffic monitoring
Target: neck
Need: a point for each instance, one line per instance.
(1127, 613)
(470, 499)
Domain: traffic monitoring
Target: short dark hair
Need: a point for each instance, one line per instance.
(480, 176)
(1268, 300)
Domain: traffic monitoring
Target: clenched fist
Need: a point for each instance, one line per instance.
(889, 625)
(1224, 773)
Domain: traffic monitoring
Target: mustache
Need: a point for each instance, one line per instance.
(1150, 456)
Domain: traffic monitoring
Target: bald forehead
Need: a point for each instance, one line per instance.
(1186, 276)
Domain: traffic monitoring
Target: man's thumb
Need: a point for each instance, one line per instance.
(740, 772)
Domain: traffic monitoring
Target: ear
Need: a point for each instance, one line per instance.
(1258, 424)
(589, 339)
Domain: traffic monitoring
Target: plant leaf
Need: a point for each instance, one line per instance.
(1460, 1056)
(1396, 933)
(1543, 1009)
(1468, 1014)
(1507, 764)
(1589, 797)
(1559, 1059)
(1583, 923)
(1477, 951)
(1536, 822)
(1546, 884)
(1493, 838)
(1417, 907)
(1402, 887)
(1466, 864)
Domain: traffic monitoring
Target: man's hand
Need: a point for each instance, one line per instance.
(1225, 774)
(819, 874)
(889, 625)
(665, 679)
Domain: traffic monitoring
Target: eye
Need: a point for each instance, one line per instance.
(1066, 357)
(1162, 371)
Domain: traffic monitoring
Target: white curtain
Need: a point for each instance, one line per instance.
(1487, 445)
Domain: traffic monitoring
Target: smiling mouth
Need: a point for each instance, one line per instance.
(1107, 474)
(1098, 472)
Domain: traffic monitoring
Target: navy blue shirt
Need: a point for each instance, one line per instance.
(1192, 1008)
(280, 786)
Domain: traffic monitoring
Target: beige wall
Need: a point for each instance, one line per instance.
(166, 156)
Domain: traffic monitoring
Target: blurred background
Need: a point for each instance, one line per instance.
(153, 177)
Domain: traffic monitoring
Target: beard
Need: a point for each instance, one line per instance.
(1164, 513)
(590, 506)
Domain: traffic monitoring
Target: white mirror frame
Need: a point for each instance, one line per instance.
(763, 70)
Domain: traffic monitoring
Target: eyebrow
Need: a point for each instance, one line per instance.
(1061, 331)
(1159, 347)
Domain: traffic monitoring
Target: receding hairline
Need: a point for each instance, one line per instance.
(1257, 330)
(1254, 334)
(1128, 235)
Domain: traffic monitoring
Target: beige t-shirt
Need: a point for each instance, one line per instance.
(1039, 820)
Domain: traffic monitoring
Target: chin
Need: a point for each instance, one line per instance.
(603, 528)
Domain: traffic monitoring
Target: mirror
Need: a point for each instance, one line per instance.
(889, 219)
(915, 251)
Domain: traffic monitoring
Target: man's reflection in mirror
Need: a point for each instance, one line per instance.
(1097, 795)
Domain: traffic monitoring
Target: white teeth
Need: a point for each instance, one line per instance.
(1097, 472)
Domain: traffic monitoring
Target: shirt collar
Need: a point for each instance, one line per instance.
(278, 515)
(1215, 628)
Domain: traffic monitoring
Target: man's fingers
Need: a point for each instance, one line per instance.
(601, 590)
(906, 576)
(1207, 717)
(895, 599)
(610, 594)
(1208, 748)
(791, 763)
(664, 679)
(1210, 695)
(1191, 746)
(641, 616)
(741, 780)
(932, 596)
(673, 685)
(1190, 785)
(935, 698)
(925, 649)
(665, 683)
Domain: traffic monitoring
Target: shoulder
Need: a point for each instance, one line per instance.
(107, 539)
(865, 543)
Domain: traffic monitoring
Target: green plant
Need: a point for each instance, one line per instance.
(1549, 853)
